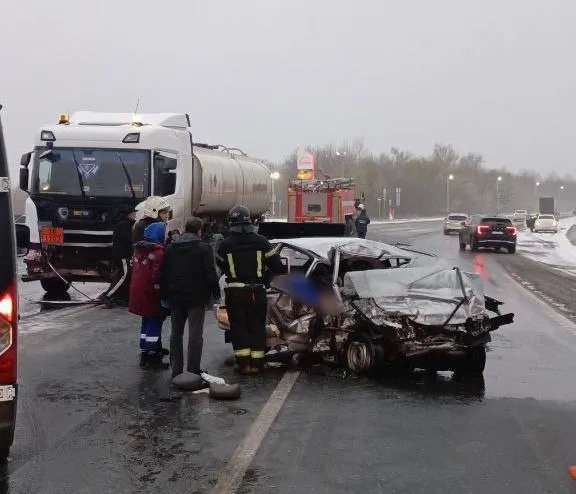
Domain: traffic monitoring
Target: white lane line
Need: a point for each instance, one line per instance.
(234, 472)
(560, 319)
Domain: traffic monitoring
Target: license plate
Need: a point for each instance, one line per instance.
(497, 233)
(52, 235)
(7, 393)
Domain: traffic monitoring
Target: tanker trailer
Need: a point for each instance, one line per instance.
(85, 170)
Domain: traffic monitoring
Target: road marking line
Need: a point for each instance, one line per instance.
(234, 472)
(561, 319)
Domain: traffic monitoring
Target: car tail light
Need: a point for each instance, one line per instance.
(482, 229)
(511, 230)
(8, 317)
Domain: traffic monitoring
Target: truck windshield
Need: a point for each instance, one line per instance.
(101, 172)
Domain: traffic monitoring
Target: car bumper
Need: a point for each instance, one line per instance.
(8, 418)
(496, 242)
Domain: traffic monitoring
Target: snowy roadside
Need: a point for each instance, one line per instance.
(553, 249)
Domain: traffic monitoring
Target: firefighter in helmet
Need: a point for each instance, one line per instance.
(154, 209)
(244, 256)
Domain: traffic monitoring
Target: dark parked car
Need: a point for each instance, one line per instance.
(488, 232)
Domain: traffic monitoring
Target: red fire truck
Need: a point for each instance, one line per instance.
(325, 201)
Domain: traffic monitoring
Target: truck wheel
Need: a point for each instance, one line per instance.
(474, 362)
(512, 250)
(54, 286)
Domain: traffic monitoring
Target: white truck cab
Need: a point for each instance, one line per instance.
(86, 169)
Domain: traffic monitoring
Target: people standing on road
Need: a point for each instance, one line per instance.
(155, 209)
(187, 281)
(362, 222)
(244, 256)
(119, 290)
(145, 297)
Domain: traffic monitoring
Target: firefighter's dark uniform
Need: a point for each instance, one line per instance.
(244, 257)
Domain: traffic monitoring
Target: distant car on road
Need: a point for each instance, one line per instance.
(453, 222)
(545, 223)
(488, 232)
(520, 214)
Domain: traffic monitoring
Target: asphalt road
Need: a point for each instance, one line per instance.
(90, 420)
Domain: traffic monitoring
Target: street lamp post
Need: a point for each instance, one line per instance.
(448, 180)
(379, 208)
(498, 180)
(274, 176)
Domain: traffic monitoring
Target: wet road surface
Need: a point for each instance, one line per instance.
(90, 420)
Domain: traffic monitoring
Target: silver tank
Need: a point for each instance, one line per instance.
(223, 179)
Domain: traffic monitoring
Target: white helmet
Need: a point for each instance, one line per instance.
(152, 206)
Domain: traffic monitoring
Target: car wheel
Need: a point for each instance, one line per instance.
(473, 244)
(360, 355)
(512, 249)
(473, 363)
(462, 245)
(446, 232)
(54, 286)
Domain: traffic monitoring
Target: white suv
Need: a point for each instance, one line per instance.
(453, 222)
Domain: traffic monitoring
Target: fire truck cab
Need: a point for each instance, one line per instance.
(321, 201)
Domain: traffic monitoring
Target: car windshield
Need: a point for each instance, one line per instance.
(495, 220)
(98, 172)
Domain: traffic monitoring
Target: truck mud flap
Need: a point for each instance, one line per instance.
(278, 230)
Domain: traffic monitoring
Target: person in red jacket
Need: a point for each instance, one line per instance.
(145, 295)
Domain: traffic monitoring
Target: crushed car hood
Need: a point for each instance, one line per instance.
(427, 295)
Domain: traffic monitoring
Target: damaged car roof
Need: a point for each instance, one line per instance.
(321, 246)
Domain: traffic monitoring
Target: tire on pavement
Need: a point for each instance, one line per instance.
(512, 250)
(188, 381)
(462, 246)
(225, 391)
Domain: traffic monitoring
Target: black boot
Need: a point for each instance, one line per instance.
(155, 361)
(144, 360)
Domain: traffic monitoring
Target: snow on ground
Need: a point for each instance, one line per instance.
(553, 249)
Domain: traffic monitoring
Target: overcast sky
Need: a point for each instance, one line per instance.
(496, 77)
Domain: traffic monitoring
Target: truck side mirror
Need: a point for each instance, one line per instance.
(22, 237)
(25, 160)
(24, 176)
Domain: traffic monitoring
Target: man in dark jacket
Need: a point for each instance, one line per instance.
(244, 256)
(187, 280)
(121, 258)
(362, 222)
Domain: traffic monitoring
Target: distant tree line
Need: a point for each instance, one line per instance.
(423, 181)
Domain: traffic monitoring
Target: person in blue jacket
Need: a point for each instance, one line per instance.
(362, 222)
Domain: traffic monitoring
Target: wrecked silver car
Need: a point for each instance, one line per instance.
(376, 307)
